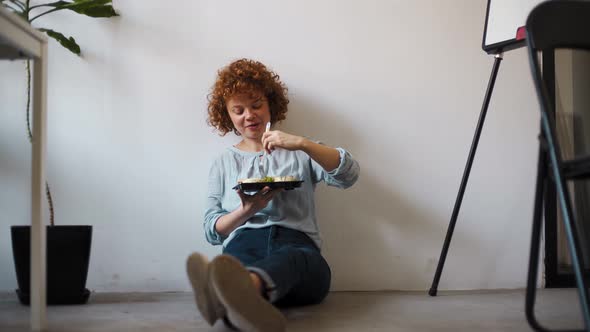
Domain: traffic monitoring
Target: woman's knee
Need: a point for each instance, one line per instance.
(315, 280)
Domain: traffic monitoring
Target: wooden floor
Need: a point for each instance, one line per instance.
(341, 312)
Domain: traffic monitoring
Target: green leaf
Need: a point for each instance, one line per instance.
(68, 43)
(92, 8)
(97, 11)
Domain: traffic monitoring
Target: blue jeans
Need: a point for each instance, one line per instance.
(287, 260)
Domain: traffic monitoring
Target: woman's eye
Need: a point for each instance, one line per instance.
(257, 106)
(238, 111)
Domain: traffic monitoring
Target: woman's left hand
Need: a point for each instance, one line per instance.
(278, 139)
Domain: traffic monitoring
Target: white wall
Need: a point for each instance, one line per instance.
(398, 83)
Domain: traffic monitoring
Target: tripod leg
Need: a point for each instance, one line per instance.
(474, 143)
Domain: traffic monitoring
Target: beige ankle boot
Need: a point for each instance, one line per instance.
(197, 268)
(244, 307)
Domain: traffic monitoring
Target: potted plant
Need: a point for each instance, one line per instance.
(68, 247)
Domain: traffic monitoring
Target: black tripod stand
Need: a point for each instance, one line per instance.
(482, 117)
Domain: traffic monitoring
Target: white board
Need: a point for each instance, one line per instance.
(503, 18)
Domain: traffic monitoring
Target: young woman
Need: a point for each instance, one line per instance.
(271, 241)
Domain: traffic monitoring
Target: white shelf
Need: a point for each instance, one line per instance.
(18, 40)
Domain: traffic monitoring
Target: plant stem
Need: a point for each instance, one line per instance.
(45, 13)
(26, 13)
(50, 201)
(47, 190)
(29, 132)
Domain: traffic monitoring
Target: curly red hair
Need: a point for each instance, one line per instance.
(250, 77)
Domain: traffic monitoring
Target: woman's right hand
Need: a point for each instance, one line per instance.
(256, 202)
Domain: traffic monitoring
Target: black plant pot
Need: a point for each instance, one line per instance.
(68, 255)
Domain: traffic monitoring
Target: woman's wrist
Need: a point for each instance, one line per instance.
(304, 144)
(245, 212)
(227, 223)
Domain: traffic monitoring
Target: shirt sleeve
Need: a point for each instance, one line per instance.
(213, 209)
(344, 176)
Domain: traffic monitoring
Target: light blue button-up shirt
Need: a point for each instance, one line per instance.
(293, 209)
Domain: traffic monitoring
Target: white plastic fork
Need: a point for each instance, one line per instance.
(261, 166)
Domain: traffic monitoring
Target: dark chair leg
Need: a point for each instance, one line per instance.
(536, 237)
(575, 250)
(535, 243)
(567, 214)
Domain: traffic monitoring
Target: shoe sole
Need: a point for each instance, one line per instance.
(197, 270)
(245, 308)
